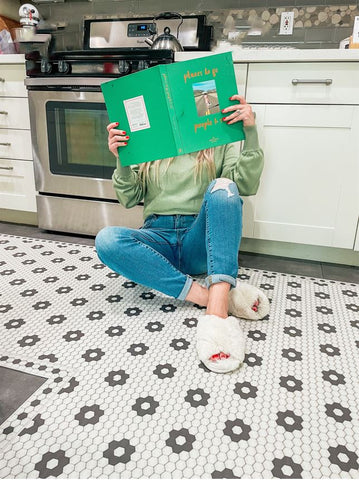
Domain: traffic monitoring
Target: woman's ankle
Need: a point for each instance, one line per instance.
(198, 294)
(218, 299)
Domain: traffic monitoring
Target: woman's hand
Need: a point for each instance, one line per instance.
(241, 111)
(116, 138)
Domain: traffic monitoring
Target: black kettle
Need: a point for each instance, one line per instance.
(165, 41)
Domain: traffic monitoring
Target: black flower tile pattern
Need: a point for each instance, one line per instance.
(197, 397)
(289, 420)
(145, 406)
(237, 430)
(126, 396)
(123, 450)
(180, 440)
(117, 377)
(245, 390)
(285, 467)
(52, 464)
(89, 414)
(164, 371)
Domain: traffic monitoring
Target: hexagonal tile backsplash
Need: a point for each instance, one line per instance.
(125, 395)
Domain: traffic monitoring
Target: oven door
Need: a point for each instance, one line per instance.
(69, 138)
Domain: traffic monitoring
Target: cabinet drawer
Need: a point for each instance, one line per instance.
(14, 113)
(17, 186)
(12, 80)
(15, 144)
(314, 83)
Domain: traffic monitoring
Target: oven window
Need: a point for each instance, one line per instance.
(78, 139)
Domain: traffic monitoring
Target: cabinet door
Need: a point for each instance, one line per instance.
(309, 187)
(17, 185)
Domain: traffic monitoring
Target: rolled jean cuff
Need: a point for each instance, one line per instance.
(185, 289)
(217, 278)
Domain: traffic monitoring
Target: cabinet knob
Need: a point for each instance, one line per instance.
(6, 144)
(2, 80)
(326, 81)
(6, 168)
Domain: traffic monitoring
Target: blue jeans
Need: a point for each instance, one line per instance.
(168, 249)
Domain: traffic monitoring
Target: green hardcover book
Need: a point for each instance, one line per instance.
(173, 109)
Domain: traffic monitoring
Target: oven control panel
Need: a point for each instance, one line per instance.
(141, 29)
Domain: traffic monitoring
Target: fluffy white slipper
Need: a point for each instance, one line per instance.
(247, 301)
(220, 343)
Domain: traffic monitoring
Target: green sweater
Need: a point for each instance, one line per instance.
(178, 191)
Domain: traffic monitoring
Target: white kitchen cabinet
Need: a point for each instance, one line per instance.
(17, 186)
(309, 187)
(241, 71)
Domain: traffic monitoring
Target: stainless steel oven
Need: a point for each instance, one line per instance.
(72, 163)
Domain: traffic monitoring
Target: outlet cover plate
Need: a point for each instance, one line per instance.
(286, 23)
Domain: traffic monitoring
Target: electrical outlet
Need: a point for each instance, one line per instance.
(286, 23)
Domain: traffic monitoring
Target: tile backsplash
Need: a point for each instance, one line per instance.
(245, 22)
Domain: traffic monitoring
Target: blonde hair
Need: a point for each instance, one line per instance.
(204, 160)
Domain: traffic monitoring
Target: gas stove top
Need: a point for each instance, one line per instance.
(102, 62)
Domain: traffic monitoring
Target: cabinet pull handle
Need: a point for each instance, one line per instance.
(6, 168)
(6, 144)
(3, 112)
(2, 80)
(326, 81)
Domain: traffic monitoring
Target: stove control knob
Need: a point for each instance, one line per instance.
(142, 64)
(123, 67)
(63, 66)
(46, 67)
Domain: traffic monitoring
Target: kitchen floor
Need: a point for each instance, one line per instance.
(99, 377)
(330, 271)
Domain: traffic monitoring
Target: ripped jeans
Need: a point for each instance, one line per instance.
(168, 249)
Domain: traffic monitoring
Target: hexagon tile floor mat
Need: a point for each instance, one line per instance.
(126, 397)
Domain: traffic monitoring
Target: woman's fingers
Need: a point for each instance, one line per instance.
(239, 99)
(111, 125)
(116, 138)
(239, 112)
(118, 141)
(236, 116)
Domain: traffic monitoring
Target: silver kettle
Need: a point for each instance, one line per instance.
(166, 41)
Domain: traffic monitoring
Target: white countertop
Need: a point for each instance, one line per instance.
(12, 58)
(253, 55)
(278, 55)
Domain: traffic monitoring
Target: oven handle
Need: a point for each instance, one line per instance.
(67, 88)
(61, 83)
